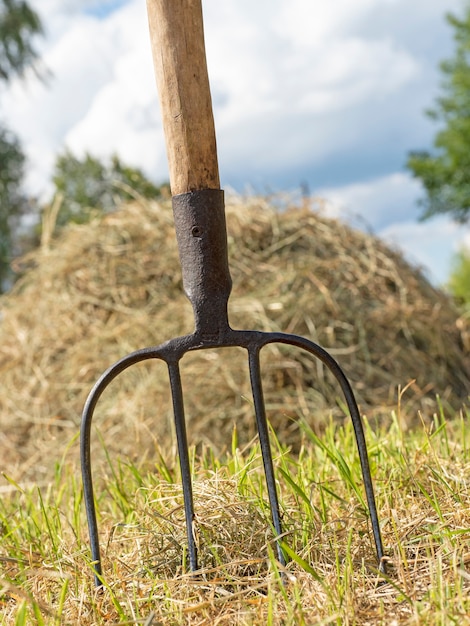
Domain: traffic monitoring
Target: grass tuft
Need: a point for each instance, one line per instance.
(422, 489)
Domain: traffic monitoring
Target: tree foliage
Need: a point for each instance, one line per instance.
(89, 185)
(18, 26)
(459, 282)
(445, 173)
(12, 200)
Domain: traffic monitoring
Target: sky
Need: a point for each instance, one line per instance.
(327, 96)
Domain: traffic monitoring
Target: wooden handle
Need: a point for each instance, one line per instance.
(177, 38)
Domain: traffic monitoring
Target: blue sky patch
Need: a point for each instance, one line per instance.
(102, 9)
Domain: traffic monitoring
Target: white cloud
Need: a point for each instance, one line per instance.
(431, 244)
(353, 72)
(299, 58)
(88, 62)
(102, 96)
(305, 22)
(380, 202)
(124, 115)
(302, 90)
(282, 66)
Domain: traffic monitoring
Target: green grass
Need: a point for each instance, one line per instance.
(422, 484)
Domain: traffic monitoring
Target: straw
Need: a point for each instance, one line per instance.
(98, 291)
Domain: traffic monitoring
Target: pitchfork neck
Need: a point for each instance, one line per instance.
(201, 234)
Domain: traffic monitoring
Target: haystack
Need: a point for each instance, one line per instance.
(101, 290)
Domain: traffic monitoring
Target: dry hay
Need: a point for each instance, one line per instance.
(113, 286)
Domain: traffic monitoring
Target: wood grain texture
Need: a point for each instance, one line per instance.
(177, 39)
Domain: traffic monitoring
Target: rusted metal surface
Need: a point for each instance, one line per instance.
(202, 243)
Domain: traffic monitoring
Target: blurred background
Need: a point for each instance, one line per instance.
(316, 99)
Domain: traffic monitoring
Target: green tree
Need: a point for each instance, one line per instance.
(12, 201)
(88, 185)
(445, 173)
(19, 25)
(459, 282)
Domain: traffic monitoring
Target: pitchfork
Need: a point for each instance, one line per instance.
(176, 29)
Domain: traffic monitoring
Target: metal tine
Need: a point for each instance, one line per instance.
(335, 369)
(171, 352)
(183, 454)
(160, 352)
(263, 433)
(85, 447)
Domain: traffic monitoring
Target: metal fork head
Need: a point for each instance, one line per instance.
(202, 244)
